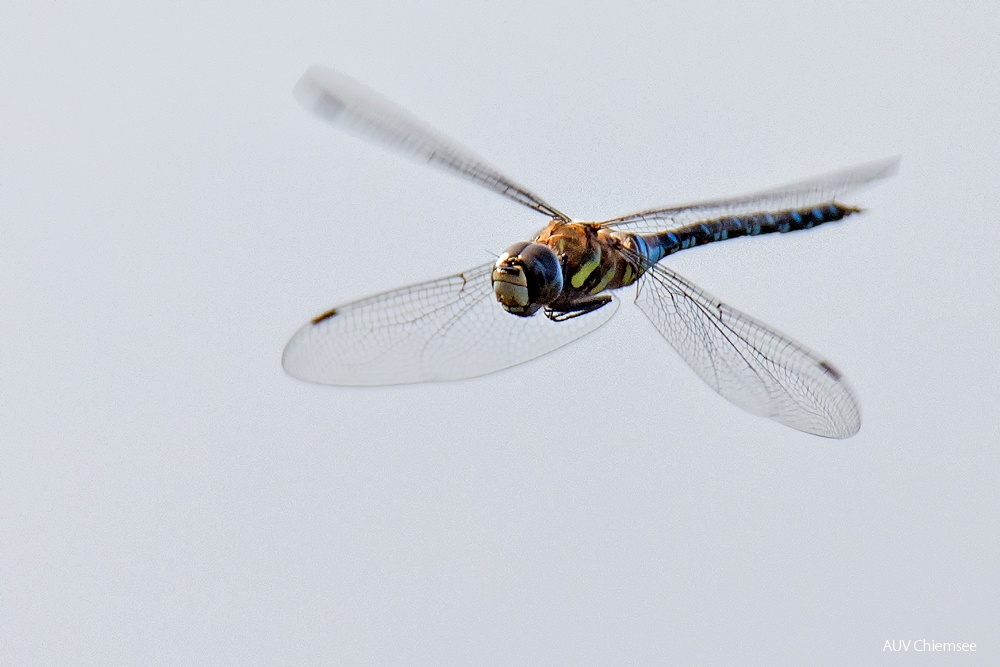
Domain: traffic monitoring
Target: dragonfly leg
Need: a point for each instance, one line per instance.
(581, 307)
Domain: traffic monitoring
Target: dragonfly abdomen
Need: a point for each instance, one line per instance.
(729, 227)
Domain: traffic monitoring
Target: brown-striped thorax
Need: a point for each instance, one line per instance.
(566, 269)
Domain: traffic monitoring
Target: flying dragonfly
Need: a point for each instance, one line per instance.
(541, 294)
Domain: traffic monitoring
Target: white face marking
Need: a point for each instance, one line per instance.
(511, 296)
(510, 286)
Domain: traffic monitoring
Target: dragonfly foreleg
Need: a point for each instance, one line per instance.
(581, 307)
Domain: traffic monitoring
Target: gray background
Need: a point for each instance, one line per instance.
(170, 217)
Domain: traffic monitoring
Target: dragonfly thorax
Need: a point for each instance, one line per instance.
(527, 277)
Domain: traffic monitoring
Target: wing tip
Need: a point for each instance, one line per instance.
(325, 316)
(830, 370)
(843, 433)
(845, 422)
(884, 167)
(319, 90)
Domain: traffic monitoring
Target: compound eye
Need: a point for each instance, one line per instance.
(543, 272)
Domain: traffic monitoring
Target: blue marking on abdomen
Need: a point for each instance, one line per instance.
(642, 247)
(719, 229)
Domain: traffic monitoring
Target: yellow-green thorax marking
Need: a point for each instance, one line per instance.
(593, 258)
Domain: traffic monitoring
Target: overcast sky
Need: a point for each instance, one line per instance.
(170, 216)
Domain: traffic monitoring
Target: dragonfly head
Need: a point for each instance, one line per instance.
(527, 277)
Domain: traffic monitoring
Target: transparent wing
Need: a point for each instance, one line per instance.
(340, 100)
(444, 329)
(754, 366)
(816, 191)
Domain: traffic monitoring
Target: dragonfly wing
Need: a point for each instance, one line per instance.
(445, 329)
(813, 192)
(340, 100)
(756, 367)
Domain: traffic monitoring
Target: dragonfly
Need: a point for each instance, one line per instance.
(542, 294)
